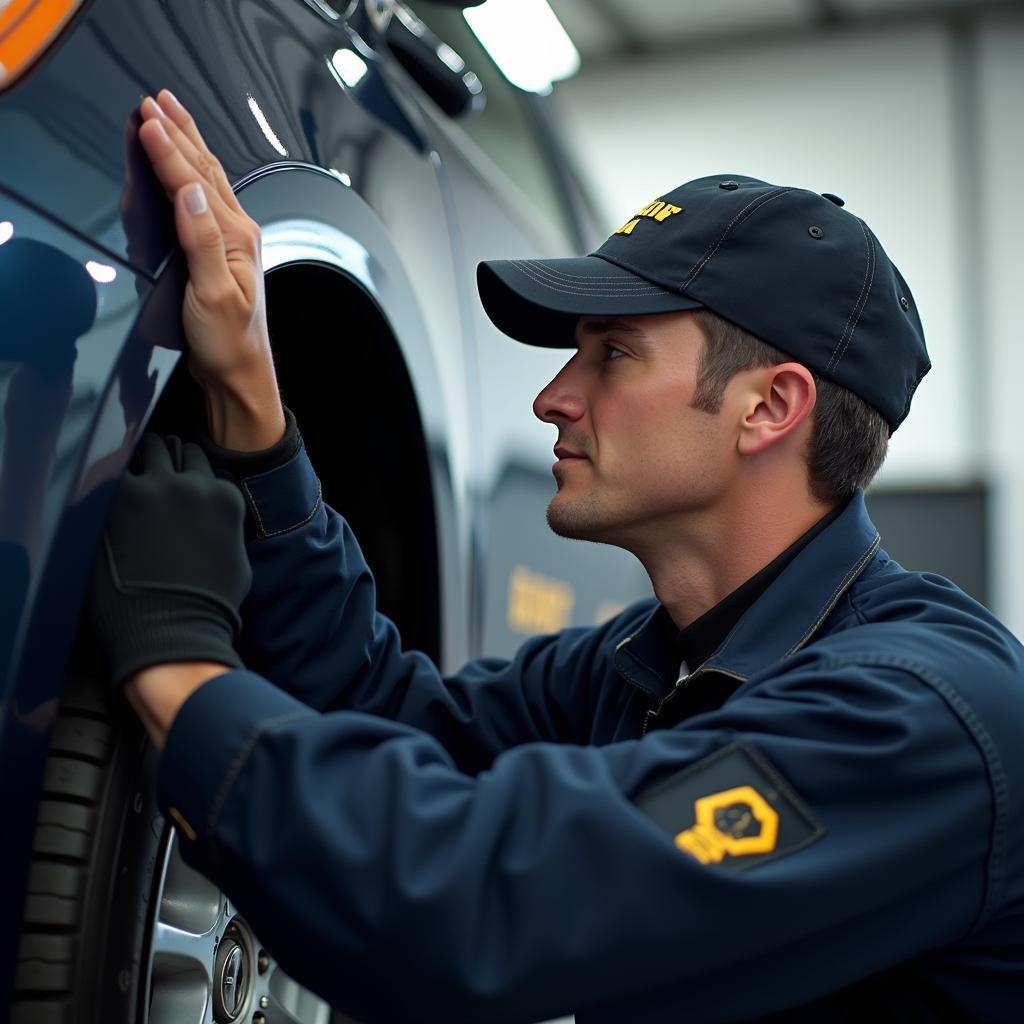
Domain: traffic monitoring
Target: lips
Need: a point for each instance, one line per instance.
(561, 452)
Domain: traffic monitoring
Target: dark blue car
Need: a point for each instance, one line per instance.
(381, 166)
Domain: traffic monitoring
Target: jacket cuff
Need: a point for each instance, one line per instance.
(279, 483)
(282, 499)
(207, 747)
(239, 465)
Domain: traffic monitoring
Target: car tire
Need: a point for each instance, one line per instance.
(94, 851)
(99, 877)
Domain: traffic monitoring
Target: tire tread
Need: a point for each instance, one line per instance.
(63, 852)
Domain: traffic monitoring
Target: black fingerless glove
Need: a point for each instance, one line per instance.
(171, 570)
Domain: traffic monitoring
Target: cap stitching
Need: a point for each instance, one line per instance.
(620, 262)
(539, 270)
(596, 289)
(540, 265)
(563, 273)
(614, 283)
(743, 214)
(592, 293)
(859, 306)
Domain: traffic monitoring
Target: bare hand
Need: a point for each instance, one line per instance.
(224, 310)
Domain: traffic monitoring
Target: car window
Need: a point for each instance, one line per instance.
(506, 129)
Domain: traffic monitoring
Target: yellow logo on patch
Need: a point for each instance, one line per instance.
(738, 822)
(659, 210)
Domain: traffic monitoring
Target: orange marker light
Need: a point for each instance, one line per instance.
(27, 27)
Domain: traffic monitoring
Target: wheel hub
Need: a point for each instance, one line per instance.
(232, 973)
(205, 965)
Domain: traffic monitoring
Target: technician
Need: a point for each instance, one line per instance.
(789, 788)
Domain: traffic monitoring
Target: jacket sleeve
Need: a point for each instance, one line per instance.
(400, 888)
(310, 623)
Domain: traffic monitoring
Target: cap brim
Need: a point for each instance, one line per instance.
(540, 301)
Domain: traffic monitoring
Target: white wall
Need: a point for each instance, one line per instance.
(877, 118)
(1001, 80)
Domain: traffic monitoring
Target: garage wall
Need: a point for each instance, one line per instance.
(917, 128)
(999, 308)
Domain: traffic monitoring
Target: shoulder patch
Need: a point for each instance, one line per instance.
(732, 810)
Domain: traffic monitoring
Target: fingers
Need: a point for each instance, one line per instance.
(210, 223)
(173, 443)
(223, 304)
(185, 134)
(194, 460)
(202, 240)
(165, 453)
(154, 455)
(173, 157)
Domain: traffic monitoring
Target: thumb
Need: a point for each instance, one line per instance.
(201, 238)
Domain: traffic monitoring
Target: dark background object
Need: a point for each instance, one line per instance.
(938, 529)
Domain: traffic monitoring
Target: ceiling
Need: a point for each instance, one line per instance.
(608, 29)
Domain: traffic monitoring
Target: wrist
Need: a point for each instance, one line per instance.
(157, 693)
(177, 674)
(244, 414)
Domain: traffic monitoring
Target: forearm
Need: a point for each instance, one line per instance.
(157, 693)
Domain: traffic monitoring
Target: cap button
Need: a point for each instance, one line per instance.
(729, 186)
(833, 198)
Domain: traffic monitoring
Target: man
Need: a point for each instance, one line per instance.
(787, 789)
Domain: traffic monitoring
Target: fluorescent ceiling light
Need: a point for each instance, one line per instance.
(451, 59)
(100, 272)
(526, 41)
(349, 66)
(261, 120)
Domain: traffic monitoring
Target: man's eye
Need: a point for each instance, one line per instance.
(611, 352)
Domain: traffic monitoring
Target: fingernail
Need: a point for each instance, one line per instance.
(173, 100)
(195, 198)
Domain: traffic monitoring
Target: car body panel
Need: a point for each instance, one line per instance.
(343, 161)
(64, 443)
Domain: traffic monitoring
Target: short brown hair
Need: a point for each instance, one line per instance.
(849, 439)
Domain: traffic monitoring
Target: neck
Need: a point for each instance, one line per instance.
(705, 556)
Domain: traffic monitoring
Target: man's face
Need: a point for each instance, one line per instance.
(633, 454)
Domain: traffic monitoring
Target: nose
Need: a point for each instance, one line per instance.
(561, 398)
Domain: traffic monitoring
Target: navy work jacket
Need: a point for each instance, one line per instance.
(824, 822)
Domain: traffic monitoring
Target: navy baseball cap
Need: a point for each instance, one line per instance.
(788, 265)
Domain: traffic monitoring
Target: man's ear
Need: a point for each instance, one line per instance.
(780, 399)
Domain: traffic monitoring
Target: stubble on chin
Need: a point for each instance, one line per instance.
(576, 520)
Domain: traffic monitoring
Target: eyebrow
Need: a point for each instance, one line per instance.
(614, 326)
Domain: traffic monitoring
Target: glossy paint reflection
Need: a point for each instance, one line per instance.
(294, 104)
(48, 301)
(66, 314)
(61, 339)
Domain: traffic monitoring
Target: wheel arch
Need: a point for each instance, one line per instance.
(355, 364)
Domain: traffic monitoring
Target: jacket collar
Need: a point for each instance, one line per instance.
(778, 624)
